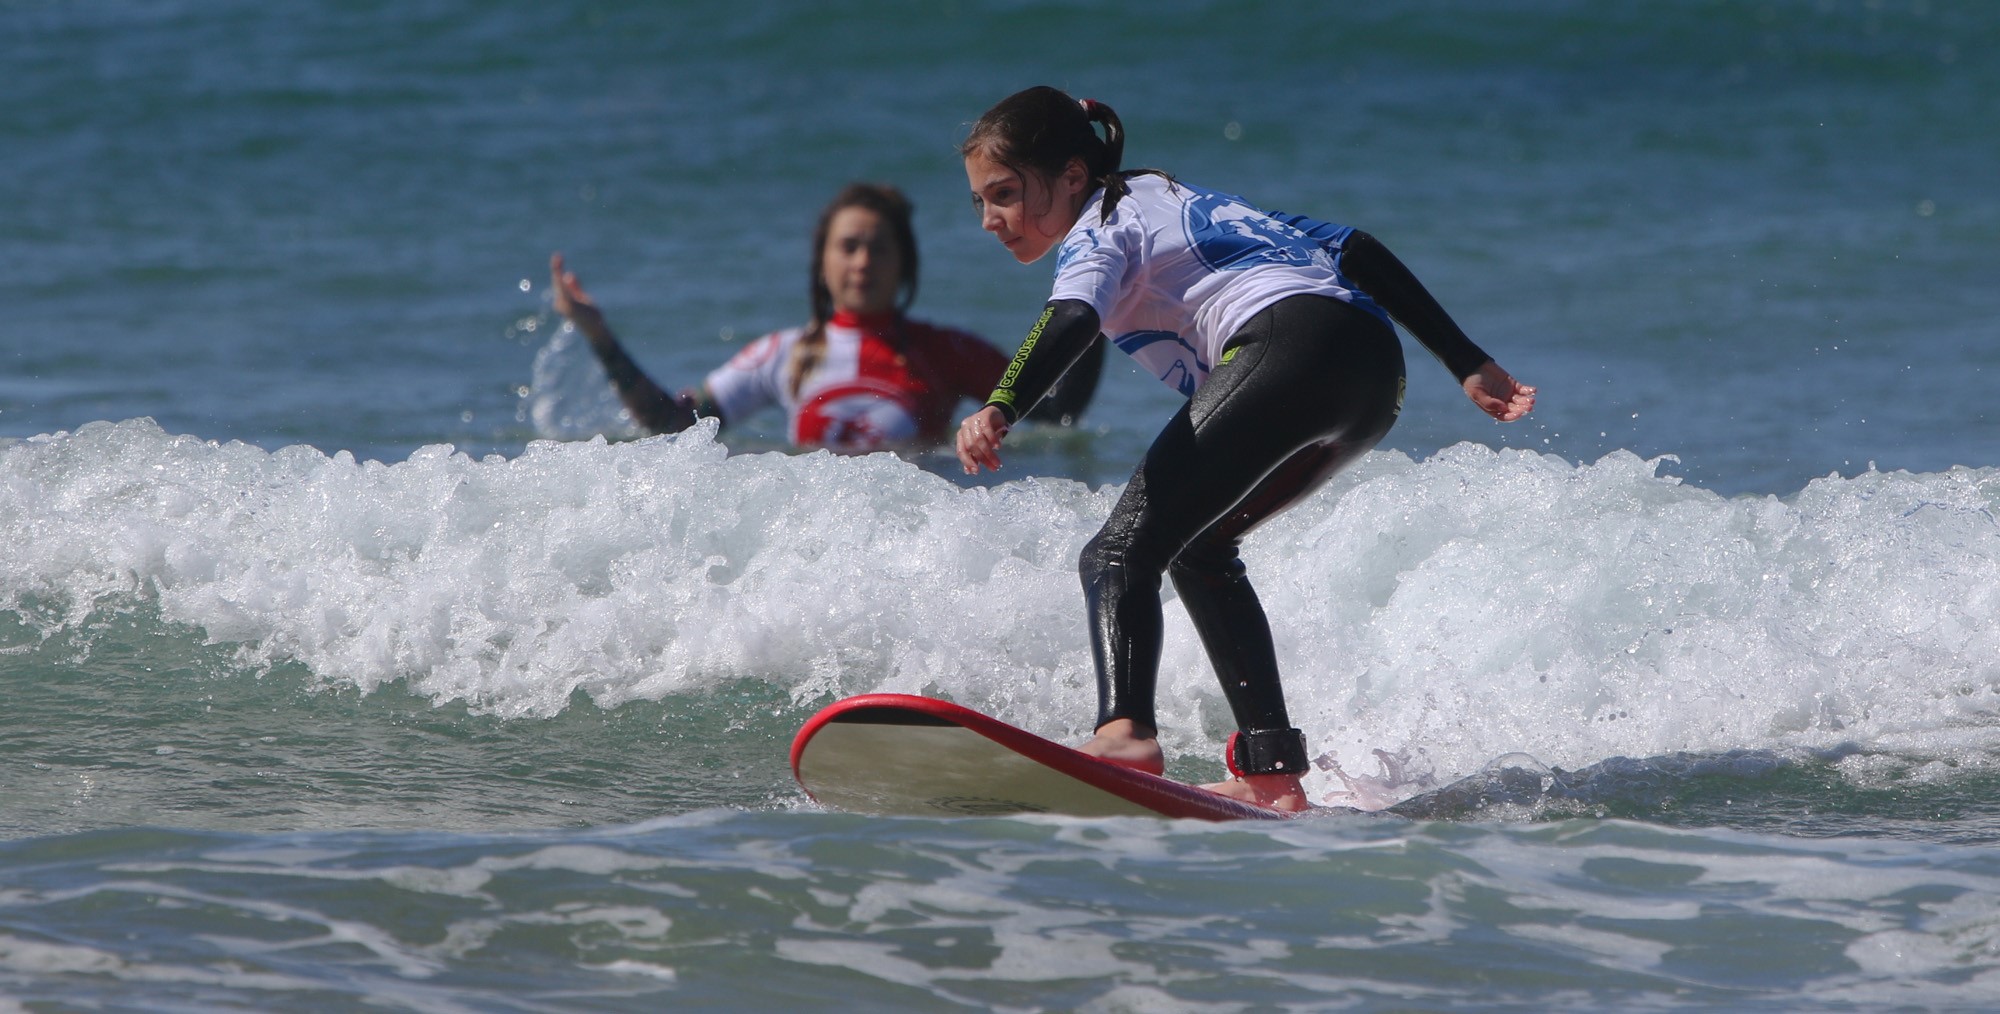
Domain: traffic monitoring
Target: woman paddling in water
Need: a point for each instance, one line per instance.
(860, 376)
(1272, 325)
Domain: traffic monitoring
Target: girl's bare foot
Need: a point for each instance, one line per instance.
(1125, 744)
(1279, 792)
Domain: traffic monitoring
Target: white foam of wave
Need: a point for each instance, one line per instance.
(1442, 612)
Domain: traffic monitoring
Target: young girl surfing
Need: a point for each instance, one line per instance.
(1274, 328)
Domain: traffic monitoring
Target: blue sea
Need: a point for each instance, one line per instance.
(357, 655)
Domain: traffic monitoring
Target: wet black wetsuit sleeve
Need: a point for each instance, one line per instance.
(1394, 288)
(649, 403)
(1370, 265)
(1062, 334)
(1072, 394)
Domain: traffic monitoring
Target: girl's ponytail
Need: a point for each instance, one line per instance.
(1110, 149)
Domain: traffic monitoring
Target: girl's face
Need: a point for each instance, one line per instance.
(862, 265)
(1027, 214)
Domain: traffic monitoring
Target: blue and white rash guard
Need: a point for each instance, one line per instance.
(1179, 268)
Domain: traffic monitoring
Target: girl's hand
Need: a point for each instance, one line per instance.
(979, 439)
(1498, 394)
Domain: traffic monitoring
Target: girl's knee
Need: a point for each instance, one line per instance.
(1208, 559)
(1112, 552)
(1103, 558)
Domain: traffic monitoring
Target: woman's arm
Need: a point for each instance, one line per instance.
(650, 404)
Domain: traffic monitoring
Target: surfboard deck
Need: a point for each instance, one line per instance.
(901, 755)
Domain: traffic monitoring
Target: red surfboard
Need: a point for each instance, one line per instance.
(895, 754)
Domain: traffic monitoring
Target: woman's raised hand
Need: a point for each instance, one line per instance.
(570, 299)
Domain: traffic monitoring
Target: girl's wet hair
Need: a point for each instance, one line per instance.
(1041, 129)
(895, 210)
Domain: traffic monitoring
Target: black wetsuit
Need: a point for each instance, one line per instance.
(1302, 389)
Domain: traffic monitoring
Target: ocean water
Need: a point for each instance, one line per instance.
(354, 656)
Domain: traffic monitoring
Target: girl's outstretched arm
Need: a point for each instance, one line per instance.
(1396, 289)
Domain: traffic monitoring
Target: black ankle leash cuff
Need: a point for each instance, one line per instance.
(1266, 752)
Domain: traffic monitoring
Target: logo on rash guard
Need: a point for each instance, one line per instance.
(1167, 355)
(1074, 247)
(1228, 235)
(856, 418)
